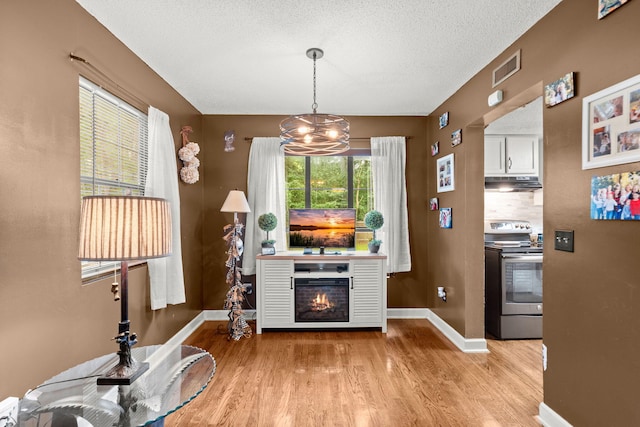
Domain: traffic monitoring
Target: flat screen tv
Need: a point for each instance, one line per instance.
(329, 228)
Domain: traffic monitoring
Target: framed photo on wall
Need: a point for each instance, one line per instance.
(605, 7)
(433, 204)
(435, 148)
(560, 90)
(616, 196)
(445, 219)
(445, 173)
(611, 125)
(444, 119)
(456, 137)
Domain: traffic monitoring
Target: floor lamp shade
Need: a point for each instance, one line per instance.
(124, 228)
(235, 202)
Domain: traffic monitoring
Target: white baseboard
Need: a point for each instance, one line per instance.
(185, 332)
(550, 418)
(407, 313)
(214, 315)
(467, 345)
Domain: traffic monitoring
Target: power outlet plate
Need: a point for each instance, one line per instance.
(9, 412)
(563, 240)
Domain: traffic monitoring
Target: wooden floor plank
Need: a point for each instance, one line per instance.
(411, 376)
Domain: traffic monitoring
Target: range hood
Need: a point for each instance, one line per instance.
(512, 183)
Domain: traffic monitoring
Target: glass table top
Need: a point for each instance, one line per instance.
(176, 375)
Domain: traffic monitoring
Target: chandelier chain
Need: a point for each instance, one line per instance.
(314, 106)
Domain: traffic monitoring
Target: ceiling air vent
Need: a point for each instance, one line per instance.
(507, 69)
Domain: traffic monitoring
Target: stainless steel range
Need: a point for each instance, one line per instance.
(513, 280)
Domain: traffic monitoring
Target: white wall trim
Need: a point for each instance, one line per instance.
(407, 313)
(213, 315)
(188, 329)
(467, 345)
(550, 418)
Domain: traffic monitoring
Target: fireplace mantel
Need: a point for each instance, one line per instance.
(278, 275)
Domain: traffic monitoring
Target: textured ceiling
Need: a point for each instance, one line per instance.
(381, 57)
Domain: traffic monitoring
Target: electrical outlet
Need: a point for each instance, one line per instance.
(9, 412)
(544, 357)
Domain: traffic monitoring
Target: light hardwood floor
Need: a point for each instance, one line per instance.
(412, 376)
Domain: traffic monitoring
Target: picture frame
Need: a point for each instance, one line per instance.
(611, 125)
(456, 137)
(433, 204)
(435, 148)
(605, 7)
(445, 173)
(268, 251)
(560, 90)
(444, 119)
(615, 196)
(445, 219)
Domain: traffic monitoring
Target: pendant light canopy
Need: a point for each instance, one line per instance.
(314, 134)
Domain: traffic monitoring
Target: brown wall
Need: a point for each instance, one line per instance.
(591, 298)
(49, 321)
(227, 171)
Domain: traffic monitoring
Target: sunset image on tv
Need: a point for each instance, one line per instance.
(313, 228)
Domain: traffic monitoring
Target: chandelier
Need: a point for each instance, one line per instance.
(314, 134)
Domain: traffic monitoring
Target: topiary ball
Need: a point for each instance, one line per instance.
(267, 222)
(373, 220)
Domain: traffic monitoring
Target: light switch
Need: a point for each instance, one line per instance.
(563, 240)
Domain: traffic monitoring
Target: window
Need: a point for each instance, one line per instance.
(331, 182)
(113, 151)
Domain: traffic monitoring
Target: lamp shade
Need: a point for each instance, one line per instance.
(235, 202)
(123, 228)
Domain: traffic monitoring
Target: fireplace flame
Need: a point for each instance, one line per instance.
(321, 303)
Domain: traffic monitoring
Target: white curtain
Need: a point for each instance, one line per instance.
(265, 193)
(166, 274)
(388, 158)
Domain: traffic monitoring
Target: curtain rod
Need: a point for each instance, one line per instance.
(363, 138)
(131, 96)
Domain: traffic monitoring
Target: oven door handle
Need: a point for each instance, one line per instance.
(522, 257)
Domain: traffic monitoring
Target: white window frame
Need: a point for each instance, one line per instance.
(93, 139)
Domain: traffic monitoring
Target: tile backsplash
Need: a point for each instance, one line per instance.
(523, 205)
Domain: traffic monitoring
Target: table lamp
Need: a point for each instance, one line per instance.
(235, 202)
(124, 228)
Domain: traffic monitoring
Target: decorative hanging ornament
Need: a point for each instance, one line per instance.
(189, 172)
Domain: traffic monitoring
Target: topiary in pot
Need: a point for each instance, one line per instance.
(374, 220)
(267, 222)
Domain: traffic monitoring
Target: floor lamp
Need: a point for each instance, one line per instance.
(235, 202)
(124, 228)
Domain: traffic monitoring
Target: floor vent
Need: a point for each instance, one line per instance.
(507, 69)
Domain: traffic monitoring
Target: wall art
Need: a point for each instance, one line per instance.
(445, 218)
(456, 137)
(605, 7)
(229, 138)
(560, 90)
(435, 149)
(611, 125)
(445, 173)
(616, 196)
(433, 204)
(444, 119)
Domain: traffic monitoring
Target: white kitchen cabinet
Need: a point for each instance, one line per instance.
(279, 275)
(511, 155)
